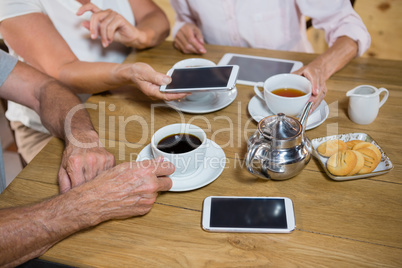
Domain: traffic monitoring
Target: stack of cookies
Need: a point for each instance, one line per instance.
(350, 158)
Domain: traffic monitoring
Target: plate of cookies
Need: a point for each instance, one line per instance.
(351, 156)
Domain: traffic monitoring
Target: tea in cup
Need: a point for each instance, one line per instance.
(285, 93)
(364, 103)
(191, 63)
(184, 145)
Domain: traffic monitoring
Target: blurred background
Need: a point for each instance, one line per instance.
(383, 19)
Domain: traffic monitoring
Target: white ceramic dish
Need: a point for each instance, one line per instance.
(214, 101)
(259, 110)
(383, 167)
(210, 171)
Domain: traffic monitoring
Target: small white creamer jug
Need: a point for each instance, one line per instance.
(364, 103)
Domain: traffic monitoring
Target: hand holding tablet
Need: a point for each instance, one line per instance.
(199, 79)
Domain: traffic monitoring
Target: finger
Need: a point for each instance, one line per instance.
(76, 175)
(185, 45)
(96, 20)
(313, 81)
(199, 41)
(164, 184)
(154, 92)
(88, 7)
(86, 24)
(164, 168)
(198, 35)
(174, 96)
(107, 30)
(194, 37)
(113, 27)
(64, 181)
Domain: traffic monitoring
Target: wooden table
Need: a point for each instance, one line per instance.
(351, 223)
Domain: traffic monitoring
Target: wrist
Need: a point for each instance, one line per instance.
(142, 39)
(83, 139)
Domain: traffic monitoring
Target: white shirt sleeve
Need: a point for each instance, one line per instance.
(337, 18)
(14, 8)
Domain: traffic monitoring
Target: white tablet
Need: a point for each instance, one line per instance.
(198, 79)
(255, 69)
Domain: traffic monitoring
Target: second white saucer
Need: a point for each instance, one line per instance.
(215, 161)
(259, 110)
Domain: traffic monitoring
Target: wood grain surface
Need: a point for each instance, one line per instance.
(339, 224)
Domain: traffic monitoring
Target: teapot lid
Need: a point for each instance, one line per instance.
(279, 127)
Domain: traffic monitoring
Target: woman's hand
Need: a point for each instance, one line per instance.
(111, 26)
(189, 40)
(314, 73)
(147, 80)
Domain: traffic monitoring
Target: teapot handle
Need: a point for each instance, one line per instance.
(249, 159)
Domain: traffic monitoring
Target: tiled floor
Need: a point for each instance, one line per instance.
(12, 163)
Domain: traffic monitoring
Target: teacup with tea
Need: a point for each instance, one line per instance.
(184, 145)
(285, 93)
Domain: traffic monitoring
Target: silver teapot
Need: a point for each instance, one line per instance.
(279, 149)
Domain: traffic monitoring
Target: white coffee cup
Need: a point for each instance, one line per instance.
(191, 63)
(185, 163)
(364, 103)
(291, 106)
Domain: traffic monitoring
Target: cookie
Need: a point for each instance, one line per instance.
(331, 147)
(371, 147)
(342, 163)
(359, 163)
(352, 143)
(370, 160)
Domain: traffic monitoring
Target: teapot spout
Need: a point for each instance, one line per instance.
(305, 113)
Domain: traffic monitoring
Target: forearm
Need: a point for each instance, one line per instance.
(28, 232)
(94, 77)
(156, 28)
(337, 56)
(70, 119)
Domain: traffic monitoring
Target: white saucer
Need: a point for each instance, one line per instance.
(259, 110)
(213, 102)
(215, 163)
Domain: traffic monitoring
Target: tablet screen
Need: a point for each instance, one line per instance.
(206, 77)
(258, 70)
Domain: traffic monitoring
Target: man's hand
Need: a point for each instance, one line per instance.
(79, 165)
(189, 40)
(127, 190)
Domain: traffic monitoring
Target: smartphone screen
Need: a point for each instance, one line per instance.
(202, 78)
(250, 214)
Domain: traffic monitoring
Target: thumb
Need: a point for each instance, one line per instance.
(86, 24)
(64, 180)
(198, 35)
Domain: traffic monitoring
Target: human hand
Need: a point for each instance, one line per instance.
(111, 26)
(80, 164)
(189, 39)
(129, 189)
(148, 80)
(314, 73)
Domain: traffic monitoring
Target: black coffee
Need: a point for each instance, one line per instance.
(178, 143)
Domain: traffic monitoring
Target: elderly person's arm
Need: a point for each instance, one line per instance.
(34, 37)
(53, 102)
(127, 190)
